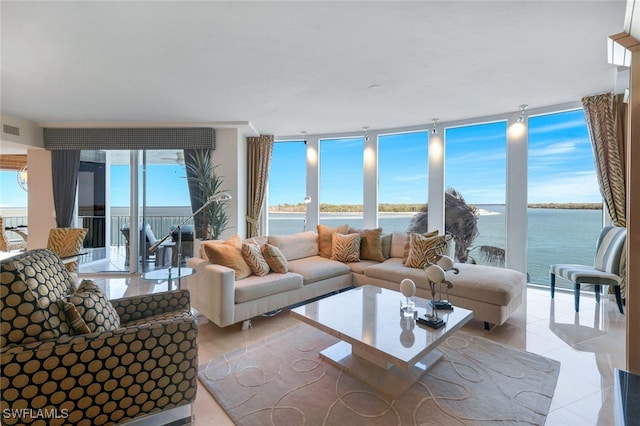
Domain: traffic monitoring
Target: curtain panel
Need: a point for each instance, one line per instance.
(606, 116)
(259, 152)
(65, 166)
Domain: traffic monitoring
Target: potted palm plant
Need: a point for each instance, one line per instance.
(202, 174)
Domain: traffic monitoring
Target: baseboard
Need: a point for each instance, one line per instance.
(178, 416)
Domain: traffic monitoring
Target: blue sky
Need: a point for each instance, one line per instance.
(561, 168)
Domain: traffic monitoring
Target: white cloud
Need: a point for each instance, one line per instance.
(573, 124)
(554, 149)
(574, 187)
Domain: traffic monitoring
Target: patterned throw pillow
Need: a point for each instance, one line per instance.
(420, 246)
(345, 248)
(325, 234)
(228, 253)
(89, 310)
(407, 242)
(31, 284)
(370, 243)
(276, 260)
(253, 256)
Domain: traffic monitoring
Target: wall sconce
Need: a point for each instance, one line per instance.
(434, 131)
(522, 108)
(366, 136)
(23, 179)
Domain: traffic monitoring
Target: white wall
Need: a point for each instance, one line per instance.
(41, 207)
(31, 136)
(230, 157)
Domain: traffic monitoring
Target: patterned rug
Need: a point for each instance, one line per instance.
(283, 381)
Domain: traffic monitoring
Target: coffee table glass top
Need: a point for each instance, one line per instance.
(370, 317)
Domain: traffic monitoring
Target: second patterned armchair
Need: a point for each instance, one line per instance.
(67, 244)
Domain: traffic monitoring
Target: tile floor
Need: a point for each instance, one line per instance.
(589, 344)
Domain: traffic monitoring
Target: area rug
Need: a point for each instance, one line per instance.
(283, 381)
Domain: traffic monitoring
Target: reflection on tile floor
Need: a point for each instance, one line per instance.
(589, 345)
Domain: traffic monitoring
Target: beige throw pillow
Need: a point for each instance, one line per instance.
(228, 253)
(324, 238)
(370, 243)
(276, 260)
(419, 246)
(252, 254)
(345, 248)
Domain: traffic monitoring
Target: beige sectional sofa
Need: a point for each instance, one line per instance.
(492, 293)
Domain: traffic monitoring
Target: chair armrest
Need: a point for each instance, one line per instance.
(138, 307)
(103, 377)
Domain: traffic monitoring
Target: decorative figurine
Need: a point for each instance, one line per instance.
(436, 275)
(408, 290)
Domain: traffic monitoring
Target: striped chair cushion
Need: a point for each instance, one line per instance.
(584, 274)
(610, 245)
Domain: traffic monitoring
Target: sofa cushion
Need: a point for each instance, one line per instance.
(89, 310)
(252, 254)
(228, 253)
(325, 234)
(398, 240)
(296, 246)
(385, 240)
(478, 282)
(30, 285)
(370, 243)
(255, 287)
(317, 268)
(276, 260)
(421, 247)
(359, 267)
(345, 248)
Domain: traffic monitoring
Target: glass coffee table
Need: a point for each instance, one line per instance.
(378, 345)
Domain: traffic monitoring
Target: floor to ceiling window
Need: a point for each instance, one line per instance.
(402, 178)
(341, 181)
(475, 168)
(287, 188)
(565, 205)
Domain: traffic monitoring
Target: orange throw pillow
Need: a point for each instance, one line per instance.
(228, 253)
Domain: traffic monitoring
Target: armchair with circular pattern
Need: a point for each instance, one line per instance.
(70, 356)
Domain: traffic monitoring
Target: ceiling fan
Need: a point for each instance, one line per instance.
(178, 158)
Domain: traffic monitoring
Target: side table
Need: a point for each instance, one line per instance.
(169, 275)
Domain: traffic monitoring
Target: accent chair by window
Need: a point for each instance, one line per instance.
(606, 269)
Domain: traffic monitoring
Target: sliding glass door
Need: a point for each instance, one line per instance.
(120, 190)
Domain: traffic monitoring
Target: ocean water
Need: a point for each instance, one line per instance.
(554, 235)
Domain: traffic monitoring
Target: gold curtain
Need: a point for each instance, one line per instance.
(606, 116)
(259, 151)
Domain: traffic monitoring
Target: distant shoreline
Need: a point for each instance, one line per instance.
(415, 208)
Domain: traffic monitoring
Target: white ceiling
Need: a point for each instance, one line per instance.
(285, 67)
